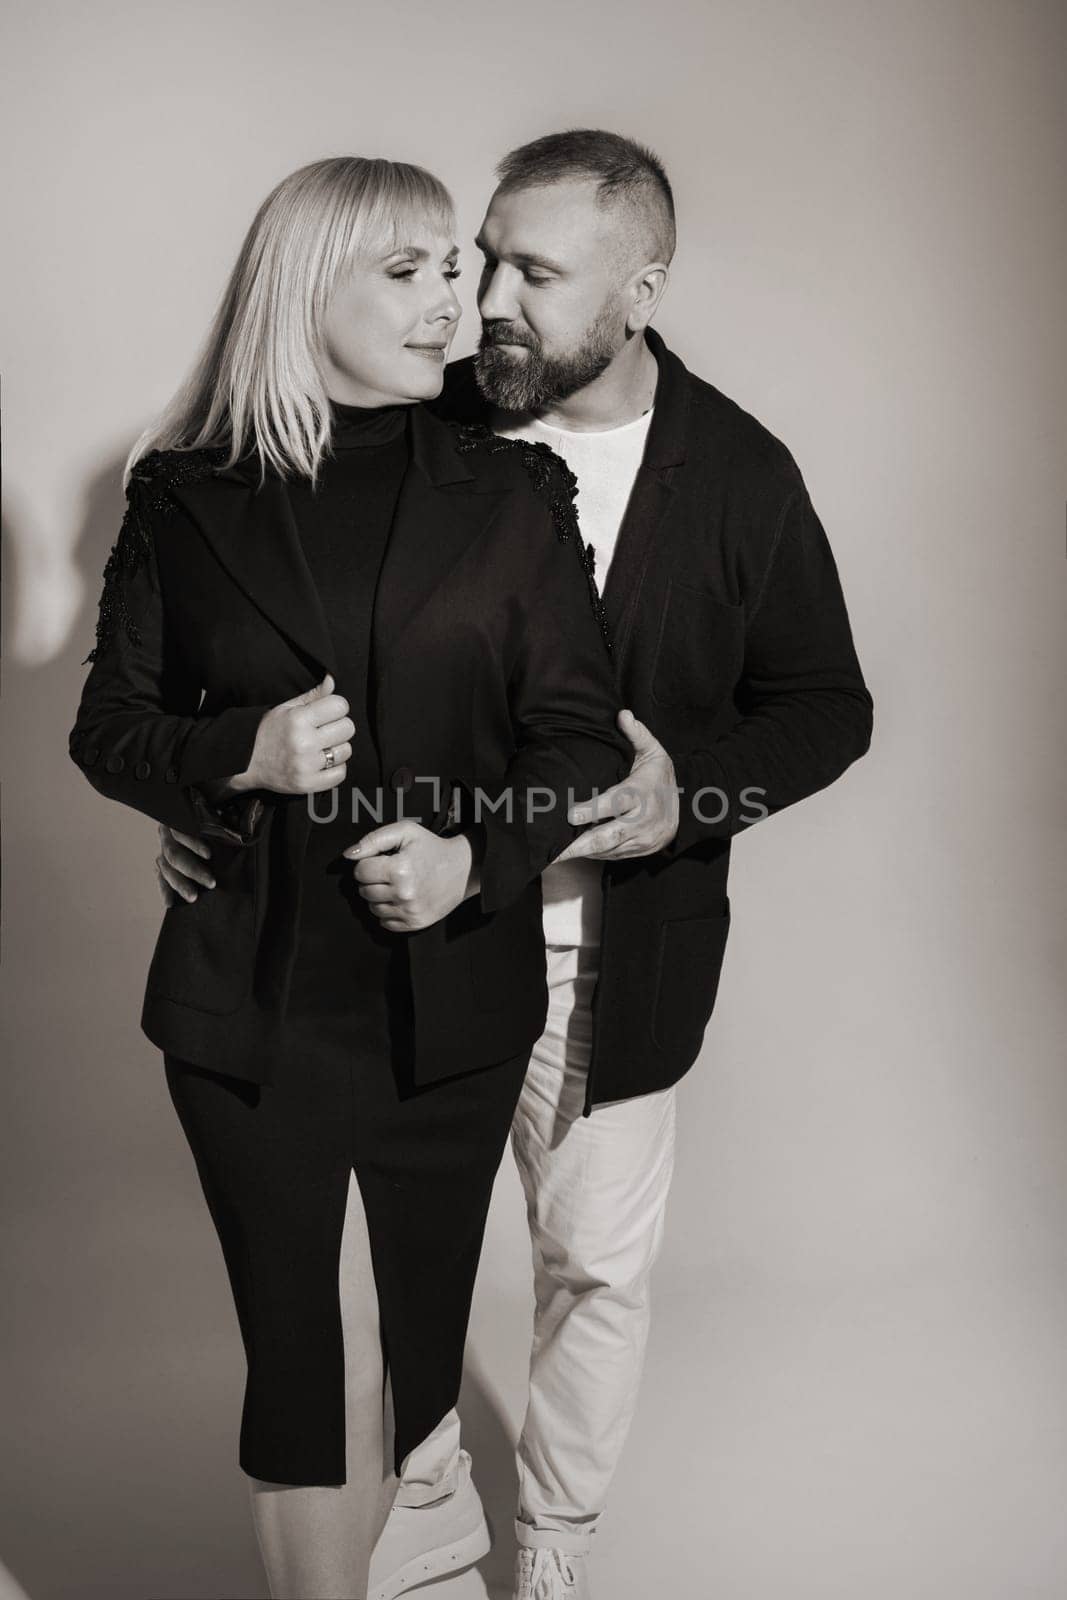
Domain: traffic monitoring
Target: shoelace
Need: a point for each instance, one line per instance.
(545, 1575)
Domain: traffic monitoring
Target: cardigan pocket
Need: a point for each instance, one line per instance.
(690, 960)
(700, 650)
(205, 954)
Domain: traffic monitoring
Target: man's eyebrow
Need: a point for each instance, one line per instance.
(525, 258)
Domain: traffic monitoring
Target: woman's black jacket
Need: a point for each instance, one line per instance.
(494, 684)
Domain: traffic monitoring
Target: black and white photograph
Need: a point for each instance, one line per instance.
(546, 1079)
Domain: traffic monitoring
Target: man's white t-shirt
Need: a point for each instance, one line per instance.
(605, 465)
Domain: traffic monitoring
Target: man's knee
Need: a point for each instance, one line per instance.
(616, 1269)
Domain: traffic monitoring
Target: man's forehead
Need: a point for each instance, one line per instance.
(559, 214)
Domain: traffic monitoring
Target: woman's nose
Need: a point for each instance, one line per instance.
(448, 308)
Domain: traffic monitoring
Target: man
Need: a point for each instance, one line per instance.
(735, 660)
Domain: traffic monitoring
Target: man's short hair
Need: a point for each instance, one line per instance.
(627, 172)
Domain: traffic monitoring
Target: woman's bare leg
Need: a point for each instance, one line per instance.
(318, 1540)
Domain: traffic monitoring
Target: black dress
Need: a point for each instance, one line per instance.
(274, 1160)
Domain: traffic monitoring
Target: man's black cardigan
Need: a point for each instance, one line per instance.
(732, 643)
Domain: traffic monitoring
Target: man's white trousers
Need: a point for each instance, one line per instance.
(596, 1192)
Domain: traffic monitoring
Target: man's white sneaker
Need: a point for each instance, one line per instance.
(550, 1575)
(420, 1543)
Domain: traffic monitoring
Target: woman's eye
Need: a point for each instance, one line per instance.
(409, 272)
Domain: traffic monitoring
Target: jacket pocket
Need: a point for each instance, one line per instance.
(690, 960)
(700, 650)
(205, 953)
(506, 950)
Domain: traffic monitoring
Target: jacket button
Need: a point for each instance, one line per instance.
(114, 763)
(171, 774)
(403, 778)
(89, 756)
(143, 769)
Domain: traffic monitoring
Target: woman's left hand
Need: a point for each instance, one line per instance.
(411, 877)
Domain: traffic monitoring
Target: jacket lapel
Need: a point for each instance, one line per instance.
(652, 495)
(440, 511)
(253, 533)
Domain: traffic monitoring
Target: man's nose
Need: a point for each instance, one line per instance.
(497, 300)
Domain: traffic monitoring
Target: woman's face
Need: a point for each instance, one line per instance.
(389, 325)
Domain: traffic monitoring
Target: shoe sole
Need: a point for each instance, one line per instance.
(438, 1563)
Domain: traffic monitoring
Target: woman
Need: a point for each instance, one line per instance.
(322, 593)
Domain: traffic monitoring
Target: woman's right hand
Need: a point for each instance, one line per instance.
(288, 756)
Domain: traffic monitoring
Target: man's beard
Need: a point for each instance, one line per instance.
(535, 381)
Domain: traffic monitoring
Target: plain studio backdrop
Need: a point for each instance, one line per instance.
(857, 1383)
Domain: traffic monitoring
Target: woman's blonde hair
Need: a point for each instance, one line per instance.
(257, 384)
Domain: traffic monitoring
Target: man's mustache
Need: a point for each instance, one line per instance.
(504, 333)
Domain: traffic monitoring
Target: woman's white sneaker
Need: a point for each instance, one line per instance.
(420, 1543)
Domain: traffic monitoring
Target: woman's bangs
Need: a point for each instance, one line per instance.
(410, 213)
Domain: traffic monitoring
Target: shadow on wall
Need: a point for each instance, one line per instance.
(103, 505)
(52, 582)
(487, 1436)
(51, 586)
(51, 589)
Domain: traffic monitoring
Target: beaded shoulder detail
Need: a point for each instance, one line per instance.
(554, 481)
(148, 493)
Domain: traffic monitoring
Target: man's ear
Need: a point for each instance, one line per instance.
(646, 289)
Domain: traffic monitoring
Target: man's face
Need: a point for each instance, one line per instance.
(550, 296)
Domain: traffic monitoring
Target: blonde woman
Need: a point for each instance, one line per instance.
(359, 650)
